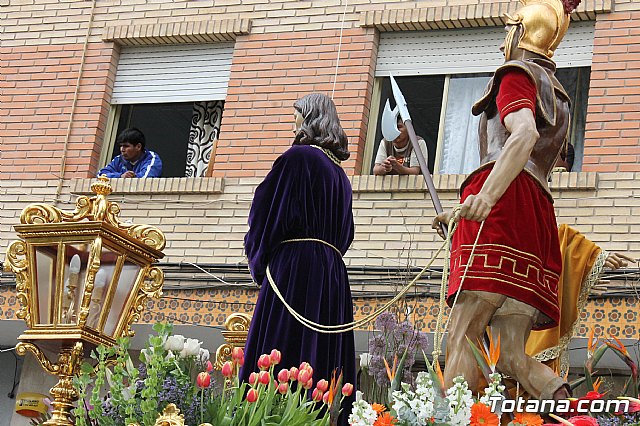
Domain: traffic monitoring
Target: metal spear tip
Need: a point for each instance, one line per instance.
(401, 103)
(390, 122)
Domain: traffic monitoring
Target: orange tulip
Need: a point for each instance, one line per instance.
(252, 395)
(227, 369)
(203, 380)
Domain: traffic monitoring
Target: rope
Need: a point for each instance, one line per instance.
(343, 328)
(335, 74)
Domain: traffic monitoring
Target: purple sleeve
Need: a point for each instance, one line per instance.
(274, 213)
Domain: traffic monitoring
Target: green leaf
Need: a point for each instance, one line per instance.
(477, 354)
(591, 363)
(575, 383)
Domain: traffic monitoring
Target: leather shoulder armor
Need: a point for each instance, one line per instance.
(547, 88)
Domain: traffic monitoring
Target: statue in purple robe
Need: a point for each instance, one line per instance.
(300, 226)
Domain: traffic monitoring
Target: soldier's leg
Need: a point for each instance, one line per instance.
(470, 317)
(536, 378)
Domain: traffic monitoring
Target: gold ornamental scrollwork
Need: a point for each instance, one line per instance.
(237, 322)
(92, 270)
(17, 263)
(150, 235)
(223, 354)
(23, 347)
(236, 331)
(170, 417)
(151, 287)
(96, 208)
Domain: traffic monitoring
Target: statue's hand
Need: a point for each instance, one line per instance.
(442, 218)
(476, 207)
(618, 260)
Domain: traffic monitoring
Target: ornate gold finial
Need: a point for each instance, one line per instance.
(170, 417)
(102, 186)
(96, 208)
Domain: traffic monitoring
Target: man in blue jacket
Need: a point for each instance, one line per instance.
(134, 159)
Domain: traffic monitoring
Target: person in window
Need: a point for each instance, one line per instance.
(302, 211)
(134, 161)
(512, 281)
(398, 157)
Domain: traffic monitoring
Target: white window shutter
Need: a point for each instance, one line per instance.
(469, 50)
(172, 73)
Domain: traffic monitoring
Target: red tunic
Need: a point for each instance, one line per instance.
(518, 252)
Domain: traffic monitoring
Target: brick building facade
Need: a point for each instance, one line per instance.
(60, 63)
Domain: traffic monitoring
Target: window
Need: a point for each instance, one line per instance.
(175, 95)
(440, 108)
(442, 73)
(182, 134)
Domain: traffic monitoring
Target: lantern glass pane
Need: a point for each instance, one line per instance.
(46, 272)
(121, 295)
(101, 285)
(75, 271)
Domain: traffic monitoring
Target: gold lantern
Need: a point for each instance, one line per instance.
(82, 279)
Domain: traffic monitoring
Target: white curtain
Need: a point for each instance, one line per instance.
(205, 128)
(460, 150)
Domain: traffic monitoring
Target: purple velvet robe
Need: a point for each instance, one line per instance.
(305, 195)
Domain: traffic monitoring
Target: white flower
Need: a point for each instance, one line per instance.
(191, 348)
(365, 360)
(460, 402)
(174, 343)
(144, 355)
(204, 355)
(362, 414)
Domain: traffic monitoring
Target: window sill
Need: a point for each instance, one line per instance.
(174, 185)
(564, 181)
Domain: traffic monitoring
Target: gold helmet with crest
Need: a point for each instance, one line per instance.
(540, 25)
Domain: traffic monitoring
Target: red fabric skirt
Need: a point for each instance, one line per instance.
(518, 253)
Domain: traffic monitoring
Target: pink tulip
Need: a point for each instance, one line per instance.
(264, 362)
(316, 395)
(237, 354)
(304, 366)
(304, 376)
(293, 373)
(264, 378)
(347, 389)
(308, 385)
(209, 366)
(325, 398)
(227, 369)
(203, 380)
(275, 356)
(253, 378)
(252, 395)
(283, 375)
(240, 362)
(322, 385)
(283, 388)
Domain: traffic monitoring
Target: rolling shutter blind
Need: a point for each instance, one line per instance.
(473, 50)
(172, 73)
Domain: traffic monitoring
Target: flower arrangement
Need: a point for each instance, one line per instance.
(176, 370)
(390, 342)
(428, 403)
